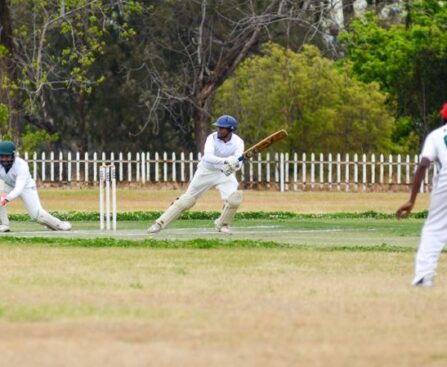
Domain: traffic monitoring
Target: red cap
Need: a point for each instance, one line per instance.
(443, 112)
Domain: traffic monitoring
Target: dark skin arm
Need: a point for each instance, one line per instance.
(406, 208)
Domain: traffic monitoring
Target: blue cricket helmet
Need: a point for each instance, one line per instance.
(226, 121)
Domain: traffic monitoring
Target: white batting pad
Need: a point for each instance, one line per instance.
(229, 210)
(183, 203)
(51, 222)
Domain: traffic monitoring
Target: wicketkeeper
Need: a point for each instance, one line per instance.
(15, 173)
(216, 169)
(434, 232)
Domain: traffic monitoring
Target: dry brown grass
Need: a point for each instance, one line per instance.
(303, 202)
(140, 307)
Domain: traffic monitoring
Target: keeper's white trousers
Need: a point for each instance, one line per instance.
(434, 232)
(205, 179)
(30, 199)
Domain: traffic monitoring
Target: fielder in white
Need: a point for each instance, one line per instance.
(216, 169)
(434, 232)
(15, 173)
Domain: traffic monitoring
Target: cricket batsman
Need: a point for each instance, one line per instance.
(216, 169)
(434, 232)
(14, 171)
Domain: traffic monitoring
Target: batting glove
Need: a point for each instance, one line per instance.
(233, 162)
(227, 169)
(3, 200)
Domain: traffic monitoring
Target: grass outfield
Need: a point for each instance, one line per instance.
(327, 291)
(304, 291)
(115, 306)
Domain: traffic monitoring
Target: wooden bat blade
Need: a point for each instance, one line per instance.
(264, 144)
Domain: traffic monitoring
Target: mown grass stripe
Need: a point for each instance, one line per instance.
(190, 244)
(211, 215)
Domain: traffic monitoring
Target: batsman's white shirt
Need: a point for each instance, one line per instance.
(19, 183)
(209, 173)
(216, 151)
(434, 232)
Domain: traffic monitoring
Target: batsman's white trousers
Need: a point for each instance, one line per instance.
(205, 179)
(29, 197)
(434, 232)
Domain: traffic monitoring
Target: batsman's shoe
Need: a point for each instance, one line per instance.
(64, 226)
(155, 228)
(223, 229)
(4, 228)
(425, 282)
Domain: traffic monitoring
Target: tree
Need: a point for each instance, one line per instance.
(192, 47)
(408, 60)
(323, 108)
(53, 45)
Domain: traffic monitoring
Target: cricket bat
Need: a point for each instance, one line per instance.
(263, 144)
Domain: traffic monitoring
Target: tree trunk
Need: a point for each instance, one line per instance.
(202, 119)
(8, 71)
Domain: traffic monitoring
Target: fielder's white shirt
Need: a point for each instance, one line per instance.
(216, 151)
(435, 147)
(17, 177)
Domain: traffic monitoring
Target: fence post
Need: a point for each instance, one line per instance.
(61, 166)
(69, 167)
(295, 171)
(182, 167)
(356, 172)
(174, 168)
(35, 166)
(137, 166)
(51, 166)
(373, 170)
(250, 170)
(399, 162)
(86, 175)
(165, 167)
(347, 172)
(191, 165)
(95, 166)
(321, 171)
(78, 166)
(143, 167)
(364, 172)
(329, 173)
(312, 170)
(148, 166)
(338, 172)
(281, 172)
(390, 169)
(382, 163)
(267, 171)
(277, 163)
(157, 167)
(120, 167)
(43, 166)
(129, 167)
(303, 171)
(407, 169)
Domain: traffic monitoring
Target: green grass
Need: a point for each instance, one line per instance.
(212, 215)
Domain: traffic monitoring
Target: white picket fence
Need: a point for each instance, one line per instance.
(283, 171)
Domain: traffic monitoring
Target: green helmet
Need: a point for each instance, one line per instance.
(7, 148)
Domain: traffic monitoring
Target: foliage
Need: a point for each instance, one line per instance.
(35, 140)
(4, 114)
(408, 60)
(324, 109)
